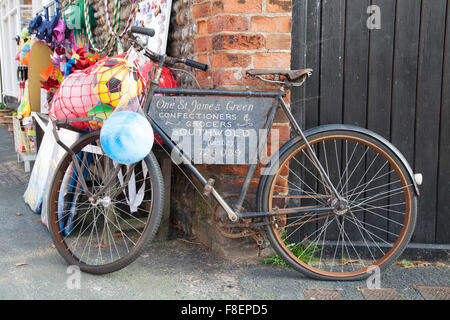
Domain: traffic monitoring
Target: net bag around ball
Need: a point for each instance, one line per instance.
(126, 136)
(96, 91)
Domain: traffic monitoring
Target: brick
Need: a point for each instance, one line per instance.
(233, 184)
(229, 77)
(202, 10)
(233, 170)
(227, 23)
(230, 60)
(281, 186)
(202, 44)
(284, 170)
(278, 42)
(271, 24)
(279, 6)
(269, 152)
(283, 133)
(202, 27)
(204, 78)
(281, 117)
(238, 42)
(270, 60)
(236, 6)
(203, 58)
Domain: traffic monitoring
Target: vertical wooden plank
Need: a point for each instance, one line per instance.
(331, 86)
(355, 95)
(356, 63)
(313, 40)
(428, 112)
(380, 74)
(298, 56)
(298, 61)
(443, 205)
(312, 86)
(379, 111)
(403, 113)
(332, 61)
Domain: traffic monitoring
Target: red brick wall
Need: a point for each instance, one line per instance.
(237, 35)
(234, 36)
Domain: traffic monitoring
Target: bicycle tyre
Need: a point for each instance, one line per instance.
(277, 235)
(149, 230)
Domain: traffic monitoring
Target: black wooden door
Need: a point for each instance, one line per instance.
(394, 80)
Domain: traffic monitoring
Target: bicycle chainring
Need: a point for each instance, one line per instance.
(229, 229)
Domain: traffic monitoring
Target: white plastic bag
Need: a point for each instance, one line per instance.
(47, 160)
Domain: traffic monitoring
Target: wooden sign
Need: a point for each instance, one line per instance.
(213, 130)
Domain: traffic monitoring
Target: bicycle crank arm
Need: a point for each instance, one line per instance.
(230, 212)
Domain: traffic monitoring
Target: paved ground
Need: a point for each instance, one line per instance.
(6, 145)
(168, 270)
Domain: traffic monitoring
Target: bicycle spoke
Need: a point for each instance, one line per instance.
(102, 229)
(355, 232)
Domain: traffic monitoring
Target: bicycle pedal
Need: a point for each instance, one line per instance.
(259, 240)
(209, 187)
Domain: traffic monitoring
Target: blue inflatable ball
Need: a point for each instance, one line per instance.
(126, 137)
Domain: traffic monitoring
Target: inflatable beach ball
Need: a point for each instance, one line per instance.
(126, 137)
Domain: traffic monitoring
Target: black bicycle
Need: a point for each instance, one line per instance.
(335, 201)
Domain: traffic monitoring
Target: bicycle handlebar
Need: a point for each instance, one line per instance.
(196, 64)
(156, 57)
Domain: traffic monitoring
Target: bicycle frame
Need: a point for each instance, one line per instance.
(234, 213)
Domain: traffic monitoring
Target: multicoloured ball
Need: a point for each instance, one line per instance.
(113, 81)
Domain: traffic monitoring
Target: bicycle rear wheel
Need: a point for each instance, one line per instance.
(106, 232)
(377, 218)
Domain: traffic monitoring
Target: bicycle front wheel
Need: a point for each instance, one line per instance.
(104, 232)
(370, 229)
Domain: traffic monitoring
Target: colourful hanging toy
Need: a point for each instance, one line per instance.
(25, 53)
(98, 89)
(24, 109)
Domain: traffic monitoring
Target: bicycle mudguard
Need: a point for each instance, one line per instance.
(272, 166)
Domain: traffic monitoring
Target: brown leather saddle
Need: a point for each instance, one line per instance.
(290, 75)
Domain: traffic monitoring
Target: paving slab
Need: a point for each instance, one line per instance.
(433, 292)
(381, 294)
(321, 294)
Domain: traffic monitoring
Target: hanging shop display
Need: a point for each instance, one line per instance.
(68, 73)
(155, 14)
